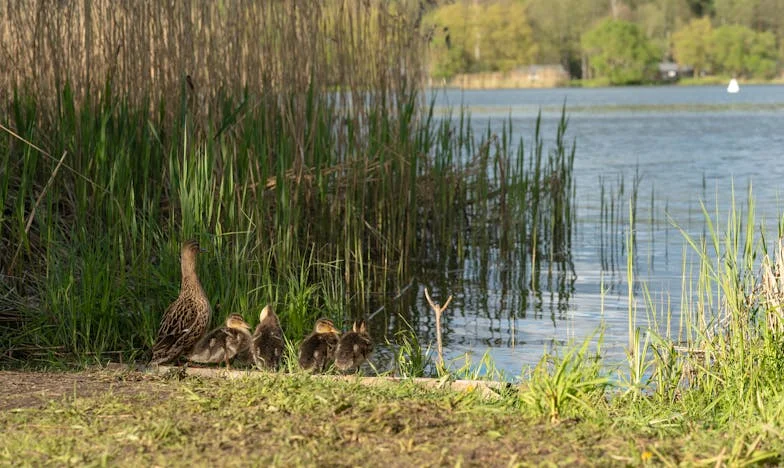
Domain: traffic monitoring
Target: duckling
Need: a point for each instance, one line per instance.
(353, 348)
(318, 349)
(267, 344)
(185, 320)
(223, 343)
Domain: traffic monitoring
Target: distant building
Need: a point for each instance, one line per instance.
(671, 71)
(527, 76)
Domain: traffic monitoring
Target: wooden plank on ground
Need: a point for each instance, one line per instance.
(485, 388)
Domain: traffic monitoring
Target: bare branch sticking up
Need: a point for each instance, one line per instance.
(438, 310)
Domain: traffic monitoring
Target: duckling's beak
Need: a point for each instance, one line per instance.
(202, 249)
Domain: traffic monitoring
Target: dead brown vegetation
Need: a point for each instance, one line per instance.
(146, 49)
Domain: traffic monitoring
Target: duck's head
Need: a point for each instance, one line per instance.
(360, 327)
(267, 315)
(324, 325)
(237, 322)
(192, 248)
(190, 251)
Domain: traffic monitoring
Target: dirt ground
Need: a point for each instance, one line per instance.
(37, 389)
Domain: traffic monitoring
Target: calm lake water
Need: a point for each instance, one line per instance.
(684, 144)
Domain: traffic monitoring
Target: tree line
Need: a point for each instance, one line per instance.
(612, 41)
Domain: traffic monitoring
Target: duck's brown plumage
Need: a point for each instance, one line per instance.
(185, 320)
(224, 343)
(318, 349)
(354, 347)
(267, 345)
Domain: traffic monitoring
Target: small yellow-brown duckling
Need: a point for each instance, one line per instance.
(353, 348)
(185, 320)
(267, 343)
(318, 349)
(224, 343)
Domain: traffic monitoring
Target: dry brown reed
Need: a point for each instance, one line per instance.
(772, 289)
(146, 49)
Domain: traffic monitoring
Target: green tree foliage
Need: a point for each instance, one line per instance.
(700, 8)
(658, 19)
(726, 37)
(759, 15)
(558, 27)
(692, 45)
(739, 12)
(740, 51)
(480, 36)
(620, 52)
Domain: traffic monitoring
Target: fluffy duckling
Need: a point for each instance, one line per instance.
(318, 349)
(185, 320)
(224, 343)
(267, 344)
(353, 348)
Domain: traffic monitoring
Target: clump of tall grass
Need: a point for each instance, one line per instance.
(411, 359)
(565, 386)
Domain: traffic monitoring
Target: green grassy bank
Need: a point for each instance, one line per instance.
(102, 418)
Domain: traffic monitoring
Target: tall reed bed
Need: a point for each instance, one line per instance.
(296, 146)
(145, 49)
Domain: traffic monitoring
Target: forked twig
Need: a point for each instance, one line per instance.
(438, 310)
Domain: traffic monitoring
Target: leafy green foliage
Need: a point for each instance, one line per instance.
(658, 19)
(565, 32)
(740, 51)
(692, 45)
(619, 51)
(729, 50)
(471, 37)
(558, 27)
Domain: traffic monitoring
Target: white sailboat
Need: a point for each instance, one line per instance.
(733, 86)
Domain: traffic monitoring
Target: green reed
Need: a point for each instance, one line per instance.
(350, 220)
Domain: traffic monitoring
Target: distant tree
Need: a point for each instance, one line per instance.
(486, 36)
(619, 51)
(759, 15)
(701, 8)
(735, 12)
(740, 51)
(761, 62)
(692, 45)
(450, 61)
(558, 26)
(506, 37)
(660, 18)
(728, 49)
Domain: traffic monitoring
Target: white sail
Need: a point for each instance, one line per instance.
(733, 86)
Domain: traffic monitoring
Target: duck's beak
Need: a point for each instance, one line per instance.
(202, 249)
